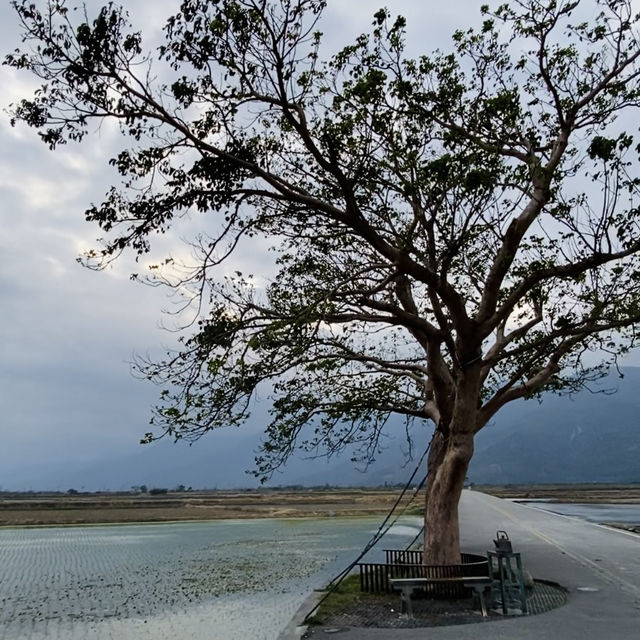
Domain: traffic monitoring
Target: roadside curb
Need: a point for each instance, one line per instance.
(296, 627)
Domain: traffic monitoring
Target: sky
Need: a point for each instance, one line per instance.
(68, 334)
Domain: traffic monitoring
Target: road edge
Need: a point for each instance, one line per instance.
(296, 627)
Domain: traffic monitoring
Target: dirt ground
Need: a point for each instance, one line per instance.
(58, 509)
(23, 509)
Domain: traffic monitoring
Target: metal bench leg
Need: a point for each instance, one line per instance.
(478, 589)
(407, 607)
(483, 604)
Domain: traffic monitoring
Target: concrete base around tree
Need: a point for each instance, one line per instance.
(599, 566)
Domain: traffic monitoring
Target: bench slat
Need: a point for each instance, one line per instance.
(408, 585)
(424, 581)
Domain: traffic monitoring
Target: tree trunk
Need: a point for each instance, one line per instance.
(449, 457)
(446, 480)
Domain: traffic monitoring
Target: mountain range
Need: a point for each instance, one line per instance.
(587, 437)
(592, 436)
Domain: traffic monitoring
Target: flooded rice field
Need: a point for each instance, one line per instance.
(620, 513)
(215, 580)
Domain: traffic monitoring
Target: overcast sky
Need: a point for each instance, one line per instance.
(67, 333)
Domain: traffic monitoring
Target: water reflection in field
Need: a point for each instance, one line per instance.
(214, 580)
(619, 513)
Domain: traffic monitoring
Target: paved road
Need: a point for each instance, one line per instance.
(599, 566)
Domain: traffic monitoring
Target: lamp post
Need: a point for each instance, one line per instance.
(507, 586)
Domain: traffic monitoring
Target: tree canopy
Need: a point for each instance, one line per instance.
(450, 233)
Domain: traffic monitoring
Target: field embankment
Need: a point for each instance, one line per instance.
(24, 509)
(577, 493)
(63, 509)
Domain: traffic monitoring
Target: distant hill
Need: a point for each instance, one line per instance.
(587, 437)
(220, 460)
(590, 437)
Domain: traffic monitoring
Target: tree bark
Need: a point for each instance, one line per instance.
(449, 457)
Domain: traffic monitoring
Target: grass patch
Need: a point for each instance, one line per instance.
(346, 594)
(414, 510)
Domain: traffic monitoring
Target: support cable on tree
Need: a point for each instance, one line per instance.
(382, 530)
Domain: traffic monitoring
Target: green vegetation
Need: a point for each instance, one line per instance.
(414, 510)
(346, 594)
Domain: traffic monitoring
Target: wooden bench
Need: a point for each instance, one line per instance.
(407, 586)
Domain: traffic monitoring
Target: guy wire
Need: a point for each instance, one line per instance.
(336, 580)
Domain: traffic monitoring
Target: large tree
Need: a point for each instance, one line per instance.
(450, 233)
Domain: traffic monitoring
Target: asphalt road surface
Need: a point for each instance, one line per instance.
(598, 565)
